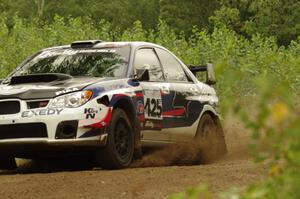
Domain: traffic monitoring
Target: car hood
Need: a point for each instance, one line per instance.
(46, 90)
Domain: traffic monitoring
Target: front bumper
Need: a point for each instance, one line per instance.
(82, 126)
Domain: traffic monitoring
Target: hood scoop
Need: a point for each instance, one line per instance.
(39, 78)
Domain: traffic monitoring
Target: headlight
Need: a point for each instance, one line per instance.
(72, 100)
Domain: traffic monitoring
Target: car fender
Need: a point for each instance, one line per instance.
(209, 108)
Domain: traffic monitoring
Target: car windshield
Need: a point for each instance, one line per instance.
(102, 62)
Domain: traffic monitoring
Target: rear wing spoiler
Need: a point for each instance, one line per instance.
(209, 69)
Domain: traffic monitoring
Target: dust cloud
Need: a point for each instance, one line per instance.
(195, 153)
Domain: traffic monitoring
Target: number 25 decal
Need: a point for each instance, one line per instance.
(153, 108)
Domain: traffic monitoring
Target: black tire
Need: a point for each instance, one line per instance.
(211, 137)
(119, 149)
(7, 163)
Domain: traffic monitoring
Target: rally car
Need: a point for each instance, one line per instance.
(108, 98)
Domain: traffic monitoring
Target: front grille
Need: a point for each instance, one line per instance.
(29, 130)
(9, 107)
(37, 104)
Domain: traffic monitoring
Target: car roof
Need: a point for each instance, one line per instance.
(103, 44)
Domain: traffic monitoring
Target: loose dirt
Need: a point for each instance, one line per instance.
(155, 176)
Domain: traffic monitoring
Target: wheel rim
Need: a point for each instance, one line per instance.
(122, 139)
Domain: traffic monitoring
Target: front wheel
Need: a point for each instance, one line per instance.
(211, 137)
(119, 149)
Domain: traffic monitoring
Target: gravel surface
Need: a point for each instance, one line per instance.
(235, 170)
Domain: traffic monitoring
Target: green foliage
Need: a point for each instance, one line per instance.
(278, 18)
(182, 15)
(275, 123)
(120, 13)
(228, 17)
(271, 18)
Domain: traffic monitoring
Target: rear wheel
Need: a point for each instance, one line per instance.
(211, 137)
(119, 149)
(7, 163)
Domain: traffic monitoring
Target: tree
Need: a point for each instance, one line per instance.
(40, 7)
(121, 13)
(278, 18)
(184, 14)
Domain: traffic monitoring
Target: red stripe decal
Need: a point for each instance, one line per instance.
(119, 95)
(175, 112)
(139, 94)
(141, 118)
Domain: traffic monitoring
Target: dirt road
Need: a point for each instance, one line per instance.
(236, 169)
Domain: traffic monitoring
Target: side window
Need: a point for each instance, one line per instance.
(172, 68)
(147, 59)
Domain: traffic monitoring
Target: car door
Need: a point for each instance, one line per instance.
(180, 110)
(146, 58)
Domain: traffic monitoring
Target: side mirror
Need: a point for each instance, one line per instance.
(142, 75)
(210, 75)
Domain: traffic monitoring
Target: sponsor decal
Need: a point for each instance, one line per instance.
(152, 125)
(90, 113)
(66, 91)
(140, 107)
(103, 122)
(149, 124)
(42, 112)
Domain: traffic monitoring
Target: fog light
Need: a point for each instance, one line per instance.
(67, 130)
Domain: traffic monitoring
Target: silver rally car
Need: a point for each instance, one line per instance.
(108, 98)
